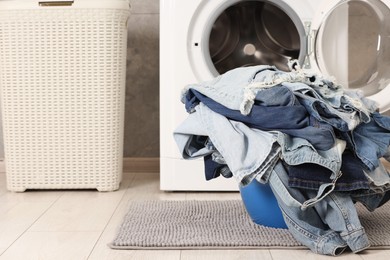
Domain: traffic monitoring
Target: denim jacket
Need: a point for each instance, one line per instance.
(328, 227)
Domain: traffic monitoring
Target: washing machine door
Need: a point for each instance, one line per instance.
(351, 42)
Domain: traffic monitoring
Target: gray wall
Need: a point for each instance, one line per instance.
(142, 87)
(142, 82)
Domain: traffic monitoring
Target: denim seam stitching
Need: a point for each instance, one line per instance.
(300, 229)
(344, 213)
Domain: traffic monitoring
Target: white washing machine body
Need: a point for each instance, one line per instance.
(190, 53)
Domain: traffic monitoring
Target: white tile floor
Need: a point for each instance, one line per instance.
(76, 225)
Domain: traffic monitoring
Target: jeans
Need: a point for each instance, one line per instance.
(312, 176)
(326, 228)
(291, 119)
(249, 153)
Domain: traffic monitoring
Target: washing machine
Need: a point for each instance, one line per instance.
(200, 39)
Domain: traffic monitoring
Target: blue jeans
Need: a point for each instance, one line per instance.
(328, 227)
(283, 114)
(312, 176)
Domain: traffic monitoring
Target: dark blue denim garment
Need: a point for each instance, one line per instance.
(370, 141)
(213, 169)
(312, 176)
(291, 119)
(370, 198)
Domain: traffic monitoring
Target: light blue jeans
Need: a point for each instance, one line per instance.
(249, 153)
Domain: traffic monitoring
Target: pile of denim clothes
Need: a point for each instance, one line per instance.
(319, 146)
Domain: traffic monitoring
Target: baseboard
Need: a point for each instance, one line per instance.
(130, 164)
(141, 164)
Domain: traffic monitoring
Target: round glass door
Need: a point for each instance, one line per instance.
(255, 33)
(353, 45)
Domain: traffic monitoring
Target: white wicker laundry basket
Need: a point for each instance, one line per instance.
(62, 81)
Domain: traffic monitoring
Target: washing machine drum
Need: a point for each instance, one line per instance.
(253, 32)
(351, 41)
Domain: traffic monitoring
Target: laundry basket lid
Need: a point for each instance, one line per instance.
(55, 4)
